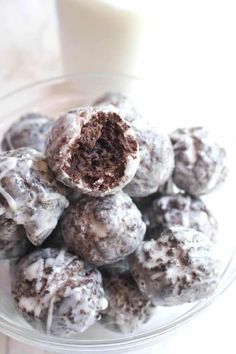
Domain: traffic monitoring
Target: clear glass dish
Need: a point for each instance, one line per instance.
(60, 94)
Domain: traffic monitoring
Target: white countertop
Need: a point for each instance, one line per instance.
(204, 73)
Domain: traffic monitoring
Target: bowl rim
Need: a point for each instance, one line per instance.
(57, 78)
(32, 337)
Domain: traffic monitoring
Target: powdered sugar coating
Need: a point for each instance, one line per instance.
(156, 161)
(29, 193)
(67, 134)
(181, 266)
(128, 308)
(29, 131)
(13, 241)
(183, 210)
(199, 161)
(58, 293)
(103, 230)
(122, 104)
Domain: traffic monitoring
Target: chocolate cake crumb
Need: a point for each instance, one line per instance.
(93, 151)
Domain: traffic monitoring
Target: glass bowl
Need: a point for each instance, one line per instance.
(61, 94)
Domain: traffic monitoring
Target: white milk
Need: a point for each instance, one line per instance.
(105, 36)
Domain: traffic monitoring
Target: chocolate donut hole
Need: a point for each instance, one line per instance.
(100, 153)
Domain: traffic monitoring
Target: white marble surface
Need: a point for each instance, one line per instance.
(196, 75)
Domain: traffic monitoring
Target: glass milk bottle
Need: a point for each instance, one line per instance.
(104, 36)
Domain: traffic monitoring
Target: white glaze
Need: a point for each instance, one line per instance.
(103, 230)
(185, 211)
(153, 267)
(29, 131)
(81, 295)
(38, 210)
(20, 125)
(128, 308)
(199, 161)
(156, 161)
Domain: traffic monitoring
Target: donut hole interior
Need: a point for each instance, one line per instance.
(99, 155)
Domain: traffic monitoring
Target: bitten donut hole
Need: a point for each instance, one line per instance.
(99, 155)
